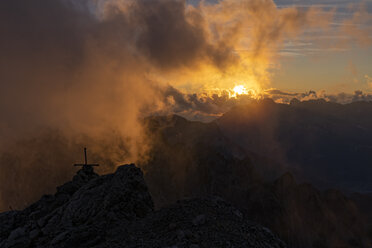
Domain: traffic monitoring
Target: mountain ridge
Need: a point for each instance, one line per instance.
(116, 210)
(195, 167)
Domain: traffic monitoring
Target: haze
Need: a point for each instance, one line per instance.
(77, 73)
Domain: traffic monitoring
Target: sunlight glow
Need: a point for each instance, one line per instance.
(240, 90)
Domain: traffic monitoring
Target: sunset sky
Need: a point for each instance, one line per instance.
(307, 65)
(331, 59)
(121, 60)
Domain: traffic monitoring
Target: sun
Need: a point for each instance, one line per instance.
(240, 90)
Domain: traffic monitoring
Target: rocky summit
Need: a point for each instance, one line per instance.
(116, 210)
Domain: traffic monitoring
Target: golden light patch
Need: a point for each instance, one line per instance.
(240, 90)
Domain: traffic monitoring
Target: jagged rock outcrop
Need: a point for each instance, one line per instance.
(116, 210)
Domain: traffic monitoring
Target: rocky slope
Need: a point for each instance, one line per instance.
(116, 210)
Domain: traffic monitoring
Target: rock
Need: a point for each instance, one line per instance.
(116, 210)
(19, 232)
(34, 233)
(180, 235)
(222, 226)
(199, 220)
(238, 213)
(188, 234)
(172, 226)
(18, 238)
(59, 238)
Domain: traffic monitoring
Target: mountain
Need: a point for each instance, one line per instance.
(116, 210)
(276, 163)
(304, 216)
(364, 204)
(198, 159)
(327, 144)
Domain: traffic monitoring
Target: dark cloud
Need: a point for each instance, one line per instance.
(171, 36)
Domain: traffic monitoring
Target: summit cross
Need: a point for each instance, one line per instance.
(86, 165)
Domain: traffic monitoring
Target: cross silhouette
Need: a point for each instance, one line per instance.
(86, 165)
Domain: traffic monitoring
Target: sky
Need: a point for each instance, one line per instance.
(123, 59)
(310, 66)
(321, 58)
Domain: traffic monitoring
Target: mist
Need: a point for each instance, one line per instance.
(85, 73)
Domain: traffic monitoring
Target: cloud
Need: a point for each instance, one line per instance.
(368, 80)
(88, 70)
(83, 65)
(204, 107)
(173, 35)
(358, 28)
(65, 71)
(93, 69)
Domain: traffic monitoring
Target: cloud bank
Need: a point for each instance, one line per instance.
(206, 107)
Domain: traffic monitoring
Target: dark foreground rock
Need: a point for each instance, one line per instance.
(116, 210)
